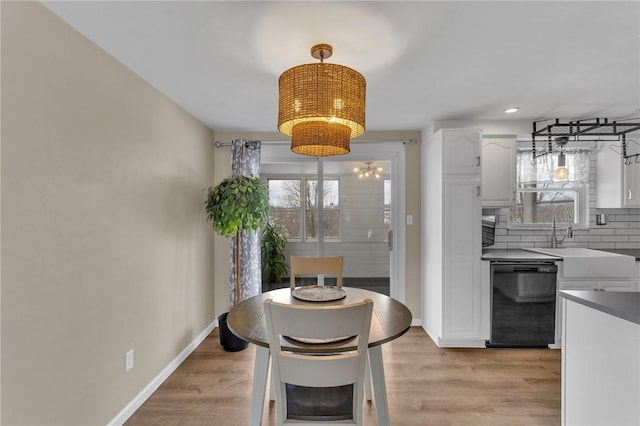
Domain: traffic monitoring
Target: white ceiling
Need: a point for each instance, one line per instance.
(423, 61)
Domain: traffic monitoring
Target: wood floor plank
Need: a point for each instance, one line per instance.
(425, 385)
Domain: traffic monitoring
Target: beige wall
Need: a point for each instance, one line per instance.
(413, 197)
(104, 242)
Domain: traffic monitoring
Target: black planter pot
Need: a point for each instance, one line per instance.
(229, 341)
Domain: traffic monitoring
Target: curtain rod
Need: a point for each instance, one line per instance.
(412, 141)
(219, 144)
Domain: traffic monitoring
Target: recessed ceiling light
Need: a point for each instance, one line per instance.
(512, 110)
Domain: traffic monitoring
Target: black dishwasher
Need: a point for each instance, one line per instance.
(523, 304)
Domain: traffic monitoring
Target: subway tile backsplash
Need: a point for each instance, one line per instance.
(622, 231)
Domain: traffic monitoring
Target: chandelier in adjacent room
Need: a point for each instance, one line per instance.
(368, 170)
(321, 106)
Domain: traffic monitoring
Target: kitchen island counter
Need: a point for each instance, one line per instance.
(600, 358)
(623, 305)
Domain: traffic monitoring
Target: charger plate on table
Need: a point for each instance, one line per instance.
(316, 293)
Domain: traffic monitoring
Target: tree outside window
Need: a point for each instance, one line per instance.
(291, 200)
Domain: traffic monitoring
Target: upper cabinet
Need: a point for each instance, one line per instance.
(617, 184)
(498, 171)
(632, 185)
(461, 152)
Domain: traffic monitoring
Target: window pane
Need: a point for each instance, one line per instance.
(284, 205)
(331, 198)
(537, 207)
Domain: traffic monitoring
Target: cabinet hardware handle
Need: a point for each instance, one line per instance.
(628, 194)
(478, 190)
(478, 161)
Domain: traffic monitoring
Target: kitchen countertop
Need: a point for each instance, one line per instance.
(515, 254)
(625, 305)
(629, 252)
(521, 254)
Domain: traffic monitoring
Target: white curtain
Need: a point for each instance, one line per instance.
(539, 173)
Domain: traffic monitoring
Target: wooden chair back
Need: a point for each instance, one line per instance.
(322, 265)
(311, 369)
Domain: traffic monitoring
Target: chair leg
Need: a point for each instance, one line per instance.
(379, 386)
(367, 380)
(272, 385)
(260, 369)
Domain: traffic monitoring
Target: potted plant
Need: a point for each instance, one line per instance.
(237, 205)
(274, 264)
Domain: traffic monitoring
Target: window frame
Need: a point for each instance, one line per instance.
(581, 189)
(579, 213)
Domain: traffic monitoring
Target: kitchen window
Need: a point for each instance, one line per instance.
(293, 204)
(538, 194)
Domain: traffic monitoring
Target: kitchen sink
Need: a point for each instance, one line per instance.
(588, 263)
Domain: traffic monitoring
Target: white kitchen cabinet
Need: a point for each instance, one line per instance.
(461, 152)
(617, 184)
(632, 185)
(499, 171)
(617, 285)
(455, 306)
(600, 284)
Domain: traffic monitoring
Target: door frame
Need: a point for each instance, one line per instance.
(392, 151)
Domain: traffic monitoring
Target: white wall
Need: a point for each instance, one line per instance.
(104, 242)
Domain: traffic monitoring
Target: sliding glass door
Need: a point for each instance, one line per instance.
(336, 206)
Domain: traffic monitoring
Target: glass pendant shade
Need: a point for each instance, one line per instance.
(321, 106)
(561, 172)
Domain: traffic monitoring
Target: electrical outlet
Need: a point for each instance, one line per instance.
(128, 360)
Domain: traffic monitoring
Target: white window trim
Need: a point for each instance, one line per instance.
(580, 213)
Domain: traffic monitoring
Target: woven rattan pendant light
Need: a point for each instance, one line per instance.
(321, 106)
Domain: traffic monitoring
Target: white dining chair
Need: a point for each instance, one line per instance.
(309, 368)
(318, 265)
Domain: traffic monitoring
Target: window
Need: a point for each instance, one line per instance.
(293, 204)
(285, 207)
(539, 195)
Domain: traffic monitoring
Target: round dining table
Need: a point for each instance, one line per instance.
(390, 320)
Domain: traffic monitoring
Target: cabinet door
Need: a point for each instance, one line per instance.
(632, 185)
(617, 286)
(461, 151)
(498, 172)
(462, 245)
(609, 177)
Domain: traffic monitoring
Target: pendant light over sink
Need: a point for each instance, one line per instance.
(321, 106)
(561, 172)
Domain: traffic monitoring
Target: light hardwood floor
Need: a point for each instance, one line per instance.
(426, 385)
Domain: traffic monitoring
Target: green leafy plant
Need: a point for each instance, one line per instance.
(273, 244)
(236, 204)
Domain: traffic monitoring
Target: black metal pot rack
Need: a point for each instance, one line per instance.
(593, 129)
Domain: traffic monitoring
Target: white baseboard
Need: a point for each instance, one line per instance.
(131, 408)
(416, 322)
(455, 343)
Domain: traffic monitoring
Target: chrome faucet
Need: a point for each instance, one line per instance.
(554, 238)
